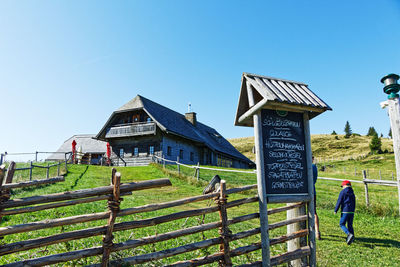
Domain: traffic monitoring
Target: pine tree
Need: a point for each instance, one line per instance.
(375, 145)
(347, 130)
(333, 133)
(371, 131)
(390, 133)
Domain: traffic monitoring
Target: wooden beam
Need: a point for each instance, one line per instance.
(58, 204)
(34, 183)
(105, 190)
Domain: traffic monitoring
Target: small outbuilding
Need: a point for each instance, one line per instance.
(92, 150)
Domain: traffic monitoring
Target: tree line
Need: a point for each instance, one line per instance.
(375, 145)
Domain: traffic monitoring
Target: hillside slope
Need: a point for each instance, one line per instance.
(323, 145)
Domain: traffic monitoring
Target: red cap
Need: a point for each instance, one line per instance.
(346, 182)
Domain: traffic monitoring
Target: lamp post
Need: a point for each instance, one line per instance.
(392, 88)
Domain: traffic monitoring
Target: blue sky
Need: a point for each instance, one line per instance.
(67, 65)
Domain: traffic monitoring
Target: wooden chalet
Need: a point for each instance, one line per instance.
(142, 128)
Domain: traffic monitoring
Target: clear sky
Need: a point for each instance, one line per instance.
(65, 66)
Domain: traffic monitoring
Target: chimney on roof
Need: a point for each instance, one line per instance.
(191, 116)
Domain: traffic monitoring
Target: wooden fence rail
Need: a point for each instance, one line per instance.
(108, 247)
(32, 166)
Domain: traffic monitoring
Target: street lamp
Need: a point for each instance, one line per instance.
(391, 86)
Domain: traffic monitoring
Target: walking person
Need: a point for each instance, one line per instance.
(347, 202)
(315, 177)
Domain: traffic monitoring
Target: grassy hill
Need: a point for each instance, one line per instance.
(377, 228)
(323, 146)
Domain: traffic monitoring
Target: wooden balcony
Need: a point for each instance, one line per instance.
(131, 129)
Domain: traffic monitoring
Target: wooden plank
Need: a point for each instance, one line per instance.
(311, 204)
(293, 93)
(268, 85)
(319, 100)
(2, 174)
(114, 207)
(10, 172)
(34, 183)
(289, 97)
(285, 208)
(57, 205)
(305, 91)
(260, 88)
(289, 199)
(104, 190)
(224, 230)
(304, 95)
(299, 93)
(289, 256)
(262, 201)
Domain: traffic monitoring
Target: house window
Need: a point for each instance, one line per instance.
(191, 156)
(151, 150)
(180, 153)
(136, 151)
(169, 151)
(121, 152)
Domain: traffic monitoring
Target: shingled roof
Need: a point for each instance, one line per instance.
(173, 122)
(86, 141)
(272, 92)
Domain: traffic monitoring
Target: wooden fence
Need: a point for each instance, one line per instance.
(47, 167)
(196, 168)
(108, 247)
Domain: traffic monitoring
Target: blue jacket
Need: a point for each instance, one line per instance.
(346, 200)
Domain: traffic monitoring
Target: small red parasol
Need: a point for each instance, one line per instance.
(73, 150)
(108, 152)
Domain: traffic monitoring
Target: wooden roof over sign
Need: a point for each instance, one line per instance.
(274, 93)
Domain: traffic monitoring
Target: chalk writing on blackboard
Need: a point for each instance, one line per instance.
(284, 152)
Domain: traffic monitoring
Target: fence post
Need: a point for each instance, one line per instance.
(36, 156)
(355, 171)
(58, 168)
(380, 175)
(292, 228)
(224, 230)
(47, 171)
(66, 163)
(5, 194)
(113, 205)
(198, 171)
(1, 159)
(30, 172)
(366, 188)
(163, 162)
(3, 197)
(177, 164)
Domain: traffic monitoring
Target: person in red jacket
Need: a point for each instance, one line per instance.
(347, 202)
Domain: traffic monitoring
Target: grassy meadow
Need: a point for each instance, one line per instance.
(377, 228)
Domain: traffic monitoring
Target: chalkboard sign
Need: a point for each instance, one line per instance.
(284, 152)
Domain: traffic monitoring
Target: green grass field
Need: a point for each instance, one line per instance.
(377, 228)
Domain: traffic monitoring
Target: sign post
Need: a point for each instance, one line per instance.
(280, 110)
